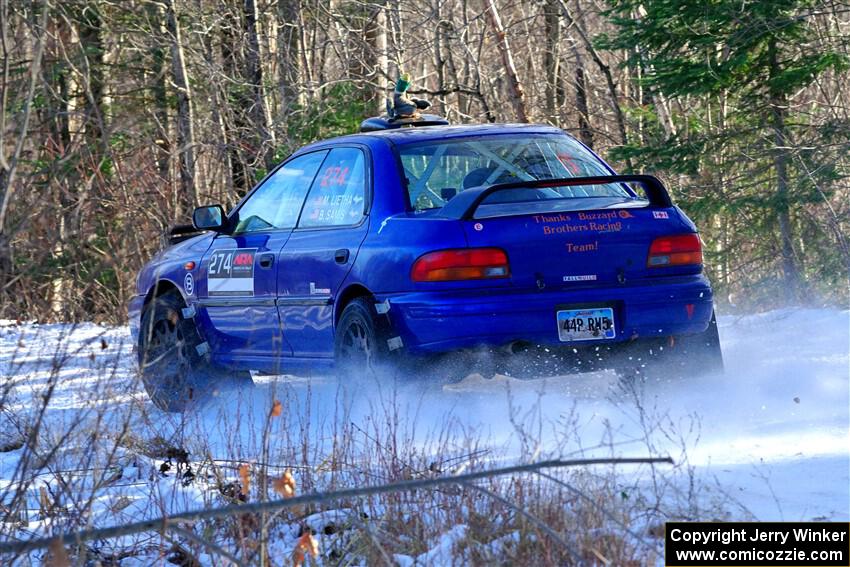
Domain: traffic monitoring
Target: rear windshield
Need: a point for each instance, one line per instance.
(437, 171)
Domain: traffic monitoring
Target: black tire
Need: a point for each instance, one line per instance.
(361, 349)
(683, 355)
(700, 353)
(175, 376)
(360, 340)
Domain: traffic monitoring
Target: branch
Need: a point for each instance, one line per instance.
(532, 518)
(190, 535)
(4, 87)
(446, 91)
(603, 68)
(162, 523)
(599, 507)
(517, 93)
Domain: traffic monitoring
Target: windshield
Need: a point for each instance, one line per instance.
(437, 171)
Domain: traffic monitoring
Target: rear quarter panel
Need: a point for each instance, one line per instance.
(396, 237)
(389, 251)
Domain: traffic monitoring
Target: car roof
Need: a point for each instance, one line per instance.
(416, 134)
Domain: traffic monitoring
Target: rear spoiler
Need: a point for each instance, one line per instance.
(463, 205)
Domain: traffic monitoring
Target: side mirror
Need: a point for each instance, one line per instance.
(210, 217)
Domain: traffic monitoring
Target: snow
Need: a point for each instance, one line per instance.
(439, 554)
(769, 439)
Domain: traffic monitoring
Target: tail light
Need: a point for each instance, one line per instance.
(461, 264)
(678, 250)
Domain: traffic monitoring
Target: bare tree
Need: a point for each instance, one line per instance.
(289, 55)
(552, 60)
(9, 163)
(259, 109)
(185, 116)
(159, 88)
(514, 85)
(603, 67)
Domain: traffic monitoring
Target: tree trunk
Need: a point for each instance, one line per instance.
(91, 42)
(234, 118)
(604, 69)
(95, 138)
(185, 119)
(289, 55)
(69, 185)
(439, 57)
(381, 66)
(223, 157)
(778, 110)
(7, 260)
(584, 129)
(259, 109)
(552, 60)
(9, 164)
(396, 34)
(514, 84)
(159, 92)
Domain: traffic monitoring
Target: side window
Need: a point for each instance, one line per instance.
(277, 202)
(337, 195)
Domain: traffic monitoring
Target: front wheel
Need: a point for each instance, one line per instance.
(168, 356)
(174, 374)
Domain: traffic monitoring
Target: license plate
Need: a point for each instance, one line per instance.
(586, 324)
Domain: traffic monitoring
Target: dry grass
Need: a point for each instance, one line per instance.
(93, 452)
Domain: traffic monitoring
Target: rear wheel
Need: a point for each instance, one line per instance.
(701, 353)
(360, 341)
(684, 355)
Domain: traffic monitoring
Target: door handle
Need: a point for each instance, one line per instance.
(341, 256)
(266, 260)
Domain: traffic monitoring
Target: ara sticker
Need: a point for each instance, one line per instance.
(660, 215)
(478, 226)
(231, 272)
(189, 284)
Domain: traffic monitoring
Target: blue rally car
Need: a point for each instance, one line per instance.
(409, 243)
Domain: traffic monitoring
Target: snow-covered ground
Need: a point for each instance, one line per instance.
(769, 440)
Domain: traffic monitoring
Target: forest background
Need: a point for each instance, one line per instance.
(118, 117)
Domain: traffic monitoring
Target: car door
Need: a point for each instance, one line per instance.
(238, 276)
(321, 250)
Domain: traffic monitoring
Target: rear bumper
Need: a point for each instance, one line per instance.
(433, 322)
